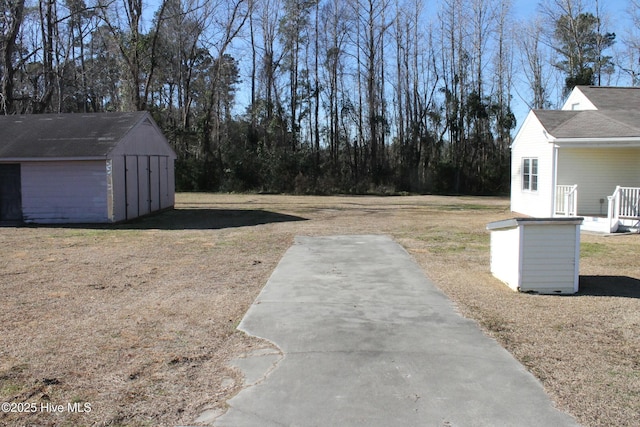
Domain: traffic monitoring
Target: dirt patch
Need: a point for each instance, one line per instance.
(139, 320)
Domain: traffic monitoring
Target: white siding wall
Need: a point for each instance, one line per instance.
(530, 142)
(597, 172)
(505, 256)
(64, 192)
(550, 258)
(578, 101)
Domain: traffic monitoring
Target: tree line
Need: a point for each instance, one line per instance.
(314, 96)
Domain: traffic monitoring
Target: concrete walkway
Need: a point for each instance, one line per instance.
(367, 340)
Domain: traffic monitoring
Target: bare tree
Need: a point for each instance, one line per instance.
(230, 18)
(138, 51)
(455, 71)
(534, 60)
(335, 20)
(628, 60)
(11, 16)
(372, 19)
(269, 16)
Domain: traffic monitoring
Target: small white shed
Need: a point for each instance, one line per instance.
(83, 168)
(540, 255)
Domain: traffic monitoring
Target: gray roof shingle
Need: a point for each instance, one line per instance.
(617, 115)
(612, 98)
(590, 123)
(64, 135)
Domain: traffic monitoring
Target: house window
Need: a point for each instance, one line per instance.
(530, 174)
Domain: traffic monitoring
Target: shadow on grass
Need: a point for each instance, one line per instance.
(208, 219)
(189, 219)
(609, 286)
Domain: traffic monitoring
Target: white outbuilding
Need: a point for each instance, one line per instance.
(540, 255)
(83, 168)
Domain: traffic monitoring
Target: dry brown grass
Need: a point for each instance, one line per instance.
(139, 319)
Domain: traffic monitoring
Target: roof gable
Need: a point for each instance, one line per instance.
(577, 100)
(92, 135)
(610, 98)
(595, 112)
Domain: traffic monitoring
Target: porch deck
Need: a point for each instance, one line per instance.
(623, 210)
(600, 224)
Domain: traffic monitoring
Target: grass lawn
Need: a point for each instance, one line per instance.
(136, 322)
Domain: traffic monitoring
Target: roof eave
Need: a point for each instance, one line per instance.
(618, 142)
(51, 159)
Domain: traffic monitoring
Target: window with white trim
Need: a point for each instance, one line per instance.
(530, 174)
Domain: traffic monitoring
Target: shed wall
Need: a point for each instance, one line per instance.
(143, 177)
(167, 182)
(144, 184)
(64, 192)
(144, 139)
(505, 256)
(597, 172)
(531, 143)
(542, 269)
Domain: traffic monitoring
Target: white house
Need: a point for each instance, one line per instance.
(583, 160)
(83, 168)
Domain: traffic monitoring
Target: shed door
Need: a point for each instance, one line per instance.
(154, 183)
(164, 182)
(131, 186)
(10, 193)
(144, 196)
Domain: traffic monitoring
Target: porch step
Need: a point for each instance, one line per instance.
(596, 224)
(628, 229)
(629, 225)
(601, 225)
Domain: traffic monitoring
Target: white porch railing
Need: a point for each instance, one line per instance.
(566, 200)
(623, 203)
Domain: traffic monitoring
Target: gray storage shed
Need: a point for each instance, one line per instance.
(83, 168)
(539, 255)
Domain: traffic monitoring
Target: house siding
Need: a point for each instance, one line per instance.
(531, 143)
(597, 172)
(64, 192)
(578, 101)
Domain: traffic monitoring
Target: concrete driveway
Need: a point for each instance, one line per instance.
(366, 339)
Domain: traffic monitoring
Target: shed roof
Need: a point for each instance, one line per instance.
(65, 135)
(516, 222)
